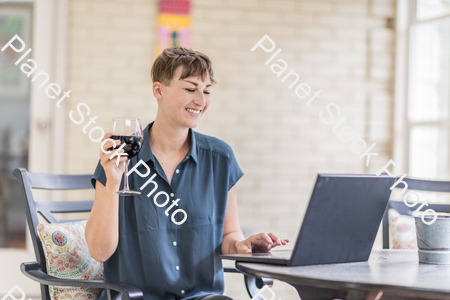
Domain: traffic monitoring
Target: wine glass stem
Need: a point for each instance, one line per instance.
(125, 177)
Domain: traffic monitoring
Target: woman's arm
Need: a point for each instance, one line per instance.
(232, 230)
(233, 240)
(102, 227)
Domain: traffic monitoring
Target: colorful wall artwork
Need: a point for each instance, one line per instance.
(173, 25)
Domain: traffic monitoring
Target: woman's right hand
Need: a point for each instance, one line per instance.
(113, 172)
(102, 227)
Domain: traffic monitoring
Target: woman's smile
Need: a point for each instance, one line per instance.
(194, 112)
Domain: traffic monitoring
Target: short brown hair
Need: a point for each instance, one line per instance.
(194, 63)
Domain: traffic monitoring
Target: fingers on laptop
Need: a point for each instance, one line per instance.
(277, 241)
(272, 241)
(258, 243)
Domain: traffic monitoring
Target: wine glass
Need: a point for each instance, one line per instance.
(129, 131)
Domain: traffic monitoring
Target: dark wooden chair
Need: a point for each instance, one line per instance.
(37, 271)
(401, 208)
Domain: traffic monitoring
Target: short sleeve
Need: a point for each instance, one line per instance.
(234, 171)
(99, 175)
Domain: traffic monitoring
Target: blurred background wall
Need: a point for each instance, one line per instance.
(343, 48)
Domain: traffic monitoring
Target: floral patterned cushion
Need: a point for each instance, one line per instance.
(67, 256)
(402, 231)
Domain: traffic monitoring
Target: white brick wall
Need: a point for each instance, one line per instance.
(341, 47)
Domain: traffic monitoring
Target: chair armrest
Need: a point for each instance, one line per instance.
(127, 291)
(252, 284)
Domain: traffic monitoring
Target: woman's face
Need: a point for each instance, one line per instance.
(185, 101)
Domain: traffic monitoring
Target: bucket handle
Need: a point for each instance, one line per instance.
(429, 245)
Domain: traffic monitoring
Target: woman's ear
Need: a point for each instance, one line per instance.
(157, 90)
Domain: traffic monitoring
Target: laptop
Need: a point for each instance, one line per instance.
(340, 223)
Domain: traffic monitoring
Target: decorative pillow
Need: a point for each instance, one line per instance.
(402, 231)
(67, 256)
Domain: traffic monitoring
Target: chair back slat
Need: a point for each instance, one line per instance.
(427, 185)
(59, 182)
(47, 209)
(29, 181)
(65, 206)
(401, 208)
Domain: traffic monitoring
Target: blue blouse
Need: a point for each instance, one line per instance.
(165, 260)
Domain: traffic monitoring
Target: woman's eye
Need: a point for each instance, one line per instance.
(190, 90)
(207, 93)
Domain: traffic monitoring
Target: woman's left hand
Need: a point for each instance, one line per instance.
(261, 242)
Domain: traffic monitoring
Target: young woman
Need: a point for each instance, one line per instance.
(138, 240)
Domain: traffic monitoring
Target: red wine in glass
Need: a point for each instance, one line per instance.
(133, 144)
(128, 131)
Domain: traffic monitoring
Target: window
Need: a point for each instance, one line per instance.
(15, 18)
(426, 88)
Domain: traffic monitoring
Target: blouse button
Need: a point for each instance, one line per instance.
(174, 243)
(172, 194)
(177, 267)
(182, 291)
(177, 171)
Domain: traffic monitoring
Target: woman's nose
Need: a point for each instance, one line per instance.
(200, 100)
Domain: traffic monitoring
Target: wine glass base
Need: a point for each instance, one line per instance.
(127, 193)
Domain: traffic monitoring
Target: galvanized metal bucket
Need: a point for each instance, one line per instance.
(434, 240)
